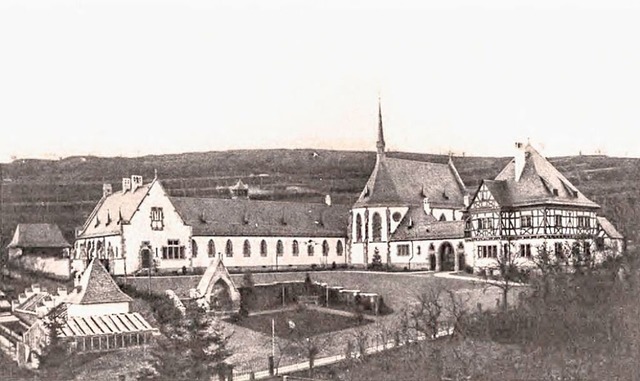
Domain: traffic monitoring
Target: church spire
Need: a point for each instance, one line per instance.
(380, 142)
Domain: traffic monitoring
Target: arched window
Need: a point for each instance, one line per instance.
(310, 250)
(279, 248)
(339, 248)
(246, 248)
(443, 217)
(194, 248)
(211, 249)
(358, 228)
(229, 248)
(263, 248)
(295, 249)
(325, 248)
(376, 226)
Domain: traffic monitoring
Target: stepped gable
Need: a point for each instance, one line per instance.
(540, 183)
(401, 182)
(97, 287)
(243, 217)
(38, 236)
(114, 210)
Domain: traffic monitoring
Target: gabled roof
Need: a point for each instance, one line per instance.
(540, 183)
(216, 271)
(114, 210)
(97, 287)
(241, 217)
(38, 236)
(417, 225)
(608, 228)
(396, 182)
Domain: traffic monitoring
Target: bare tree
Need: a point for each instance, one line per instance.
(509, 273)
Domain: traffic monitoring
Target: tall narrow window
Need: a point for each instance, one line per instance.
(157, 218)
(279, 248)
(263, 248)
(339, 248)
(325, 248)
(310, 250)
(211, 249)
(525, 221)
(376, 227)
(194, 248)
(358, 228)
(229, 248)
(246, 248)
(295, 249)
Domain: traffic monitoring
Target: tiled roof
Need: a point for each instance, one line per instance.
(540, 183)
(97, 286)
(241, 217)
(417, 225)
(407, 182)
(38, 236)
(609, 229)
(113, 210)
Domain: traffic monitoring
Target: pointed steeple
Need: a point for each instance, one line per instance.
(380, 142)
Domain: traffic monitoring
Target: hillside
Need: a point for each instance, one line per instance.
(65, 191)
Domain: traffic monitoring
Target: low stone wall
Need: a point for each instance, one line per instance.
(279, 294)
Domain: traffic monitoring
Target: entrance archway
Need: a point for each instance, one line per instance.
(220, 299)
(145, 255)
(447, 256)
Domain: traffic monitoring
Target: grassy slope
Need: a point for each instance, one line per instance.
(65, 191)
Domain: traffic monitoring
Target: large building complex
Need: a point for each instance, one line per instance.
(410, 214)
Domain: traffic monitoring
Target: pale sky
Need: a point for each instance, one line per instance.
(141, 77)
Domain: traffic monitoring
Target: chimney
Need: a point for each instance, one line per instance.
(136, 182)
(126, 184)
(327, 200)
(107, 189)
(426, 205)
(519, 157)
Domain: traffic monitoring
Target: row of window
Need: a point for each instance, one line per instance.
(491, 251)
(376, 227)
(527, 222)
(246, 248)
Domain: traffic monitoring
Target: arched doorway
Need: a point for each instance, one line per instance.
(145, 256)
(447, 257)
(220, 299)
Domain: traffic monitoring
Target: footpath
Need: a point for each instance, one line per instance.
(475, 280)
(323, 361)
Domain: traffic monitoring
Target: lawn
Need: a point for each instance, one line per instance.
(306, 322)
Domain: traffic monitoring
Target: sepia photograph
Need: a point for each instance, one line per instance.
(298, 190)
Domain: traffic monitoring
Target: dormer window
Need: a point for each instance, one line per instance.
(157, 218)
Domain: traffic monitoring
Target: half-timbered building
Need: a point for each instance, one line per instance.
(529, 206)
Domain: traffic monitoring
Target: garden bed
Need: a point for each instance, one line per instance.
(310, 322)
